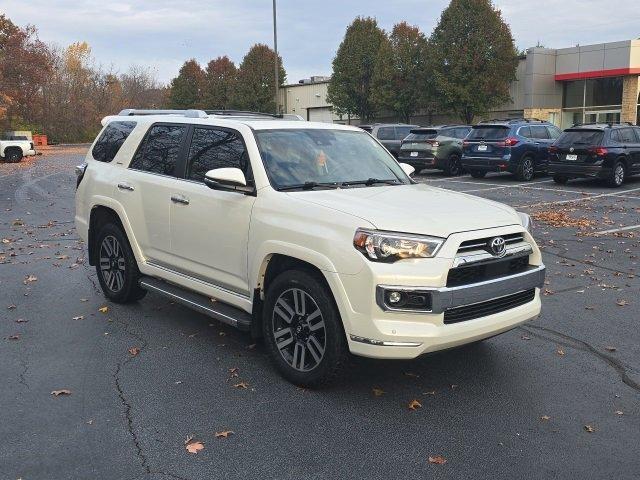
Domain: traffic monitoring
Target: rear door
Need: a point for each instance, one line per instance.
(210, 228)
(487, 141)
(542, 139)
(146, 191)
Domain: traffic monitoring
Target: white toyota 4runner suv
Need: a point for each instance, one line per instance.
(309, 235)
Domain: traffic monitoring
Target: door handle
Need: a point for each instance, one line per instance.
(125, 186)
(181, 199)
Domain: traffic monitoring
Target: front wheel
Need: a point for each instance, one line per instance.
(116, 267)
(617, 176)
(303, 330)
(478, 173)
(14, 155)
(526, 170)
(453, 166)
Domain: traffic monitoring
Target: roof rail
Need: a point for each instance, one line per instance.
(127, 112)
(241, 113)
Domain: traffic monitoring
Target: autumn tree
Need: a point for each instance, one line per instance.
(400, 81)
(186, 88)
(472, 58)
(219, 84)
(353, 69)
(256, 80)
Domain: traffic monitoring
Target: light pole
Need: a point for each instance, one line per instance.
(275, 47)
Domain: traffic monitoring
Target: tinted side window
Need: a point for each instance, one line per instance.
(627, 136)
(111, 139)
(402, 132)
(525, 132)
(160, 149)
(637, 130)
(212, 148)
(462, 132)
(386, 133)
(539, 131)
(615, 136)
(554, 132)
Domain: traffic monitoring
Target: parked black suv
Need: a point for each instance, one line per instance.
(518, 146)
(606, 151)
(435, 147)
(389, 134)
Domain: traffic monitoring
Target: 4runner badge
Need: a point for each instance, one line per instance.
(498, 247)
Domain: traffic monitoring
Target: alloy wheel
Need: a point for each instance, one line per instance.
(618, 174)
(112, 263)
(299, 329)
(527, 169)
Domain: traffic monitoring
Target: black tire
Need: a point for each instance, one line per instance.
(116, 265)
(318, 361)
(560, 180)
(526, 170)
(453, 166)
(13, 155)
(478, 173)
(617, 175)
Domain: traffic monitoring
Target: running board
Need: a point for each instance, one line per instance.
(215, 309)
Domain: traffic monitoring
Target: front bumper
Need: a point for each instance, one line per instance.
(375, 331)
(579, 170)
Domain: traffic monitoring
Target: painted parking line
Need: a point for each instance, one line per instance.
(615, 230)
(592, 197)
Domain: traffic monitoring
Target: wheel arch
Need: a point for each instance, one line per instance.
(100, 213)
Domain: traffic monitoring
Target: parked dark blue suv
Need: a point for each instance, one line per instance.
(519, 146)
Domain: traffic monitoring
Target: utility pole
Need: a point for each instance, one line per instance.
(275, 47)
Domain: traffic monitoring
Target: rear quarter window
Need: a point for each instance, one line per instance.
(110, 140)
(496, 132)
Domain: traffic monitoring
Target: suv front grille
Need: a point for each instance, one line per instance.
(483, 309)
(487, 271)
(483, 243)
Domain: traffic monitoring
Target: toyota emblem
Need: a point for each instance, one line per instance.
(498, 247)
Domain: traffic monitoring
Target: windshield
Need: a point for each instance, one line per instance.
(319, 157)
(494, 132)
(580, 137)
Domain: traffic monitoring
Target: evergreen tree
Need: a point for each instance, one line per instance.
(220, 84)
(186, 88)
(353, 67)
(472, 58)
(256, 80)
(400, 80)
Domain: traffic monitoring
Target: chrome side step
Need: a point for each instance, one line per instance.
(215, 309)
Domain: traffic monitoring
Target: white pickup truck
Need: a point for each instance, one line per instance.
(309, 235)
(14, 150)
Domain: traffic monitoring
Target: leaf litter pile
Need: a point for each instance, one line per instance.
(557, 218)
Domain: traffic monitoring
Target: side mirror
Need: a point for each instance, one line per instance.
(408, 169)
(226, 179)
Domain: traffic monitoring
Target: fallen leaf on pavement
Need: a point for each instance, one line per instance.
(104, 309)
(622, 302)
(545, 417)
(414, 405)
(30, 278)
(524, 337)
(11, 307)
(437, 459)
(430, 392)
(610, 349)
(64, 391)
(79, 317)
(224, 433)
(194, 447)
(14, 337)
(241, 385)
(589, 428)
(21, 320)
(378, 392)
(133, 351)
(619, 412)
(560, 352)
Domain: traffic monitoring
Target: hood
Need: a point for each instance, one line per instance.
(416, 208)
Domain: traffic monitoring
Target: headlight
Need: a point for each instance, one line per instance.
(380, 246)
(526, 222)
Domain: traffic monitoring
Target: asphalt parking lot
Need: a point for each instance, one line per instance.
(557, 398)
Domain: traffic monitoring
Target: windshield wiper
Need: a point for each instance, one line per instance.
(370, 181)
(307, 186)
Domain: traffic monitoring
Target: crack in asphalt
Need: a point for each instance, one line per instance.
(21, 376)
(581, 345)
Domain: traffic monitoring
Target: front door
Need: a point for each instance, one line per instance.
(210, 228)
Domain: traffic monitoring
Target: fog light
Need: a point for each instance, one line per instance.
(395, 297)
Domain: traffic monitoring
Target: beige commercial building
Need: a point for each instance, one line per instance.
(589, 83)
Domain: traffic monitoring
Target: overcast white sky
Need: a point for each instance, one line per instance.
(162, 34)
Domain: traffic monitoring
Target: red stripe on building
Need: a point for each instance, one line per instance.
(615, 72)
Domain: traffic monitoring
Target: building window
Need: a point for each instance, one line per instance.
(603, 91)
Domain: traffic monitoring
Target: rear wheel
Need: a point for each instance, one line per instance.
(560, 180)
(526, 170)
(116, 265)
(617, 176)
(13, 155)
(303, 330)
(453, 166)
(478, 173)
